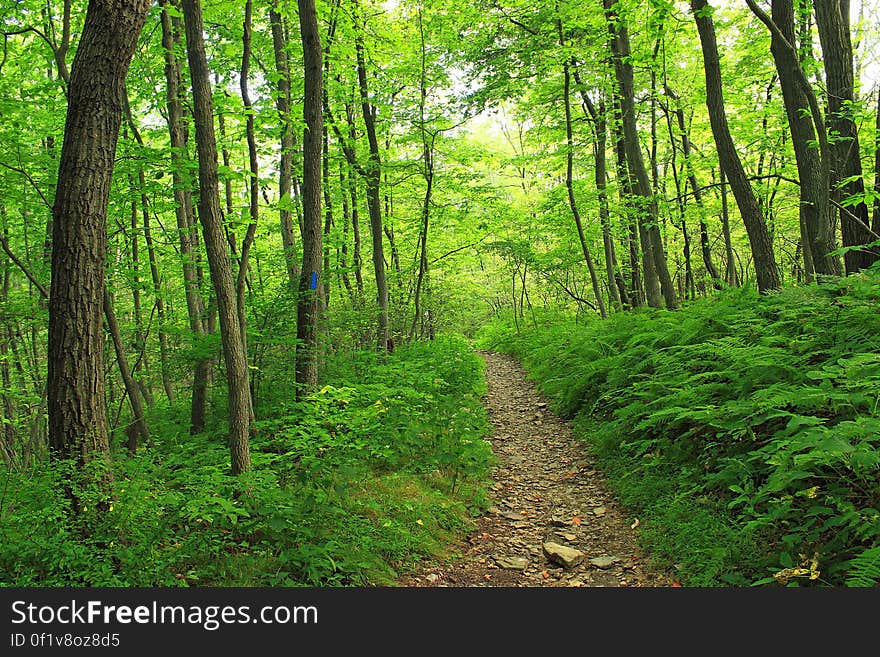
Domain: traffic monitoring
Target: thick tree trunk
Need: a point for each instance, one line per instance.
(832, 21)
(308, 304)
(761, 244)
(215, 242)
(96, 93)
(816, 217)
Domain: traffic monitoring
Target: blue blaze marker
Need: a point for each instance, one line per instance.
(313, 283)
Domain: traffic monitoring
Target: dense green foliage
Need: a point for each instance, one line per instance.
(350, 487)
(743, 431)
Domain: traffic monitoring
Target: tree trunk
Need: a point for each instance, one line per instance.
(766, 270)
(569, 184)
(138, 420)
(617, 292)
(637, 290)
(253, 189)
(308, 303)
(373, 171)
(875, 223)
(75, 383)
(832, 21)
(705, 249)
(730, 275)
(215, 242)
(154, 266)
(288, 143)
(428, 174)
(802, 112)
(185, 214)
(646, 203)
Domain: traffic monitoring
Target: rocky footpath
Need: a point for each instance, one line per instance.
(554, 522)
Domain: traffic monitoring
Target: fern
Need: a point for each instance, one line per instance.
(865, 569)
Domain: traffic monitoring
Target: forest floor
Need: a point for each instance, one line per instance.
(554, 521)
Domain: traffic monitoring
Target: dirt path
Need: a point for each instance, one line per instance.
(546, 490)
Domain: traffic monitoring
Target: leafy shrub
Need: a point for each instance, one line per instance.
(383, 465)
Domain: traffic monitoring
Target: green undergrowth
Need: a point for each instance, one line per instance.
(382, 466)
(742, 431)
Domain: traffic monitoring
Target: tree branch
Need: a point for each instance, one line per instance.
(33, 279)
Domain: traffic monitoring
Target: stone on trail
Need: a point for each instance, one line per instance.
(512, 563)
(604, 561)
(565, 556)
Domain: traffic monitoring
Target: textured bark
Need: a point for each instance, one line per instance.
(215, 242)
(801, 108)
(185, 215)
(766, 271)
(75, 385)
(832, 21)
(308, 303)
(645, 204)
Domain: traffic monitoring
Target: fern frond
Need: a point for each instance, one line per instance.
(865, 569)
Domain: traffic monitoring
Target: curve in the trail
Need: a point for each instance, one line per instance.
(554, 521)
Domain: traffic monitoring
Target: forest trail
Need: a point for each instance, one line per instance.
(546, 490)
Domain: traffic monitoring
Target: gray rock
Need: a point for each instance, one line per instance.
(565, 556)
(605, 561)
(512, 563)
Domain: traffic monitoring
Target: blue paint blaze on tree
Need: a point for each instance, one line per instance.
(313, 283)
